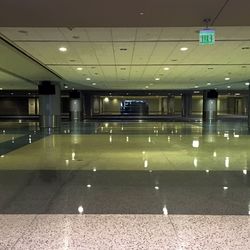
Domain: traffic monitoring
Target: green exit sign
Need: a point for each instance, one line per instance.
(207, 37)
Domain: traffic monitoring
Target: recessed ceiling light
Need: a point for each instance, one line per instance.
(146, 87)
(247, 83)
(196, 86)
(157, 78)
(93, 83)
(166, 68)
(79, 68)
(63, 49)
(1, 88)
(88, 79)
(228, 87)
(183, 49)
(209, 83)
(227, 78)
(65, 86)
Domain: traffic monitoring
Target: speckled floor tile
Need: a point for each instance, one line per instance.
(99, 232)
(12, 227)
(212, 232)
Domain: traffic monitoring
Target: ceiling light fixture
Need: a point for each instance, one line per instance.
(196, 86)
(247, 83)
(166, 68)
(63, 49)
(157, 78)
(146, 87)
(93, 83)
(227, 78)
(228, 87)
(183, 49)
(79, 68)
(88, 79)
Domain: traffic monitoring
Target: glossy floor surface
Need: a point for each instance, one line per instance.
(125, 185)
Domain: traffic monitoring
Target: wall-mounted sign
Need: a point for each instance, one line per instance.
(207, 37)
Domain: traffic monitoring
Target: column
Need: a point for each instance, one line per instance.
(75, 106)
(164, 105)
(170, 105)
(210, 105)
(49, 104)
(186, 105)
(96, 105)
(87, 103)
(248, 108)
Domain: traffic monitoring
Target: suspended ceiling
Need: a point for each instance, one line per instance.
(131, 57)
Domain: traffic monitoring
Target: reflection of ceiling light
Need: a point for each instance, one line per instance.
(195, 143)
(227, 78)
(166, 68)
(79, 68)
(209, 83)
(247, 83)
(183, 49)
(63, 49)
(88, 79)
(80, 209)
(157, 78)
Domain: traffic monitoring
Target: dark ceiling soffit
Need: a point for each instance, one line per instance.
(29, 56)
(17, 76)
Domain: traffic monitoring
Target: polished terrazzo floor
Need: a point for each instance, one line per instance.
(125, 185)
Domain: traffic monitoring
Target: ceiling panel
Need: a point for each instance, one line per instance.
(121, 58)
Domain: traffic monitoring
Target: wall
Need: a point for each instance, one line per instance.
(111, 105)
(14, 106)
(197, 105)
